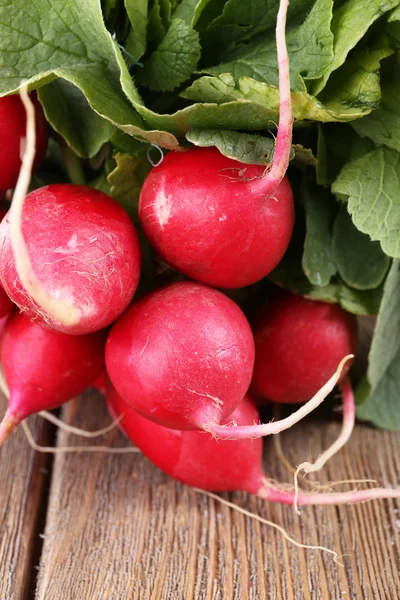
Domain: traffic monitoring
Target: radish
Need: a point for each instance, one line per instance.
(12, 133)
(198, 460)
(5, 303)
(182, 356)
(299, 343)
(219, 221)
(43, 369)
(81, 263)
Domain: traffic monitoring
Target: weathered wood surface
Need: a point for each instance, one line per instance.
(22, 474)
(119, 529)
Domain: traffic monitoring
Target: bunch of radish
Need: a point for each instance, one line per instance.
(178, 366)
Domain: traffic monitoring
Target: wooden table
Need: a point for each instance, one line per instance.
(113, 527)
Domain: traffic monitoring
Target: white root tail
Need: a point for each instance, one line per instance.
(227, 432)
(64, 313)
(349, 418)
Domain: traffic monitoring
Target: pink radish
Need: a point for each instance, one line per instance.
(219, 221)
(5, 303)
(182, 356)
(12, 134)
(82, 261)
(299, 343)
(43, 369)
(200, 461)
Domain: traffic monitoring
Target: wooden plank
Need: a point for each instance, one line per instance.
(117, 528)
(21, 487)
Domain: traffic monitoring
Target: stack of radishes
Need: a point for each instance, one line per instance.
(182, 362)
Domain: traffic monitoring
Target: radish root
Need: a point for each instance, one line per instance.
(281, 530)
(229, 432)
(76, 430)
(67, 314)
(349, 417)
(71, 449)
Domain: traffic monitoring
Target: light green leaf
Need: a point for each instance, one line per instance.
(190, 11)
(310, 48)
(350, 22)
(68, 112)
(357, 83)
(360, 262)
(137, 13)
(382, 405)
(244, 147)
(319, 207)
(126, 180)
(371, 184)
(225, 88)
(174, 60)
(383, 125)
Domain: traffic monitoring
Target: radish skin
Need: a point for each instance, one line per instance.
(299, 343)
(182, 356)
(219, 221)
(77, 278)
(42, 369)
(200, 461)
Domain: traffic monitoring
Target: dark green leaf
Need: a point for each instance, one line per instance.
(382, 405)
(174, 60)
(360, 262)
(320, 209)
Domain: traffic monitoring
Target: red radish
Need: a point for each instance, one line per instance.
(5, 303)
(81, 247)
(43, 368)
(12, 133)
(197, 459)
(182, 356)
(299, 344)
(101, 383)
(217, 220)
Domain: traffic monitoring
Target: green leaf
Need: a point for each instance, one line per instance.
(310, 48)
(350, 22)
(61, 40)
(360, 262)
(126, 180)
(337, 145)
(68, 112)
(357, 83)
(174, 60)
(244, 147)
(240, 20)
(383, 125)
(320, 209)
(155, 26)
(190, 11)
(371, 184)
(128, 145)
(137, 13)
(224, 89)
(290, 275)
(382, 405)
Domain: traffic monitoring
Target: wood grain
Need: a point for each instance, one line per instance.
(118, 529)
(21, 489)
